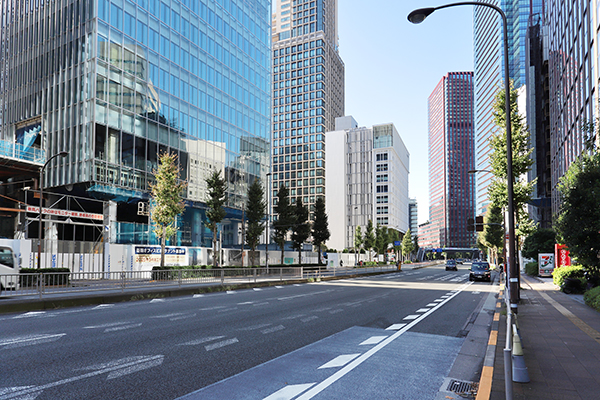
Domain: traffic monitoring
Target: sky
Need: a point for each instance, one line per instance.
(392, 66)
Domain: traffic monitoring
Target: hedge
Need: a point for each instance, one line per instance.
(52, 276)
(572, 271)
(592, 298)
(532, 269)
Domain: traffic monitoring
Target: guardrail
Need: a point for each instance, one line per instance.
(51, 283)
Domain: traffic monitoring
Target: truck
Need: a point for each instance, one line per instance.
(9, 269)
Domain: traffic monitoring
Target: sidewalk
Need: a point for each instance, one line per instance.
(561, 346)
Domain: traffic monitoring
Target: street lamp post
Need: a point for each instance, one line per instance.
(268, 220)
(61, 154)
(418, 16)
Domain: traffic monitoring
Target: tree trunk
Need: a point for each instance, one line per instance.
(214, 248)
(282, 251)
(300, 257)
(163, 241)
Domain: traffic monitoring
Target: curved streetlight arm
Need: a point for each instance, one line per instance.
(61, 154)
(418, 16)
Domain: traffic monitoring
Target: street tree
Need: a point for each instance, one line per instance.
(492, 237)
(382, 239)
(216, 196)
(301, 229)
(320, 227)
(416, 244)
(578, 222)
(521, 162)
(540, 241)
(255, 213)
(167, 200)
(358, 242)
(407, 244)
(369, 240)
(286, 218)
(395, 237)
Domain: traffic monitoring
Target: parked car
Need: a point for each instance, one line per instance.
(451, 265)
(480, 270)
(459, 260)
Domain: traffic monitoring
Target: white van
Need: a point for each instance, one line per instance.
(9, 269)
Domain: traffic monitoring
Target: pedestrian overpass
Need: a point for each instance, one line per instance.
(450, 251)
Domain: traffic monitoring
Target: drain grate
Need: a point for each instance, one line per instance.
(462, 387)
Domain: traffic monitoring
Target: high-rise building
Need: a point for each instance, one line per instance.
(451, 157)
(573, 62)
(488, 51)
(366, 179)
(413, 217)
(538, 121)
(116, 83)
(308, 94)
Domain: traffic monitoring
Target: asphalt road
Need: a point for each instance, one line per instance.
(249, 343)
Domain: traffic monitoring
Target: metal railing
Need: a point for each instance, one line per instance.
(52, 283)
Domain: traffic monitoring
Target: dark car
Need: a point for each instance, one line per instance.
(459, 260)
(480, 270)
(451, 265)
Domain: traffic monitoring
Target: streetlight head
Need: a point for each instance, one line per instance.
(472, 171)
(63, 153)
(418, 16)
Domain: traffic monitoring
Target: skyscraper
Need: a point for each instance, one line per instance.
(308, 94)
(117, 83)
(488, 51)
(572, 64)
(451, 156)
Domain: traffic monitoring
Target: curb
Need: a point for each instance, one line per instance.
(487, 372)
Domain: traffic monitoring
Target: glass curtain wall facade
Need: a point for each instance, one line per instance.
(118, 82)
(308, 95)
(488, 50)
(573, 99)
(451, 156)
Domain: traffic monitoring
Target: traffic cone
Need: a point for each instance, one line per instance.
(519, 370)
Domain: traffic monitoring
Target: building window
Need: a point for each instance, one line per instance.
(382, 188)
(382, 199)
(382, 178)
(382, 167)
(382, 210)
(382, 157)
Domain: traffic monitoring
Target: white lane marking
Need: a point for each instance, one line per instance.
(431, 305)
(339, 310)
(438, 300)
(9, 390)
(200, 341)
(182, 317)
(278, 287)
(294, 316)
(394, 327)
(221, 344)
(101, 306)
(110, 324)
(30, 392)
(373, 340)
(323, 309)
(260, 304)
(422, 310)
(149, 362)
(122, 327)
(339, 361)
(296, 284)
(289, 392)
(29, 340)
(255, 327)
(167, 315)
(228, 309)
(30, 314)
(257, 289)
(475, 292)
(408, 317)
(308, 318)
(197, 295)
(339, 374)
(211, 308)
(245, 303)
(157, 301)
(230, 292)
(273, 329)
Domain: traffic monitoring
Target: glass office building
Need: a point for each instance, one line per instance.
(118, 82)
(451, 157)
(488, 51)
(308, 95)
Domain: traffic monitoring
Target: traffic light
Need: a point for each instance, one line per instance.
(475, 225)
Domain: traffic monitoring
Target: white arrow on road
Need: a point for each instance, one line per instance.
(114, 369)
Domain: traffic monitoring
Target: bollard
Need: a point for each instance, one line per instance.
(519, 370)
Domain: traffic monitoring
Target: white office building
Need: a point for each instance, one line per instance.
(366, 178)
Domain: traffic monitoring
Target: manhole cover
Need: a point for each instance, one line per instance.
(463, 388)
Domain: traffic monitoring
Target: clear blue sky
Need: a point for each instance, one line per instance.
(392, 66)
